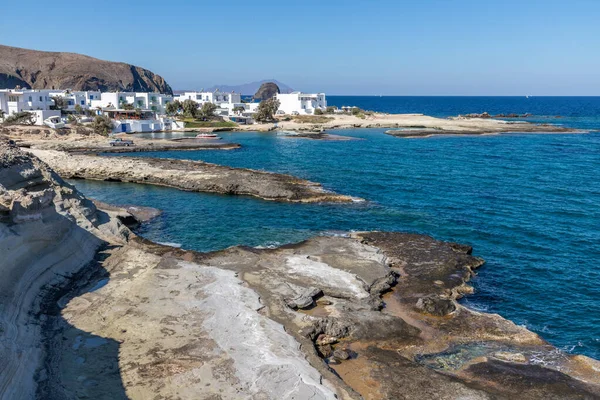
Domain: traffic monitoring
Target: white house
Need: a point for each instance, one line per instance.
(37, 102)
(220, 99)
(301, 103)
(77, 98)
(155, 102)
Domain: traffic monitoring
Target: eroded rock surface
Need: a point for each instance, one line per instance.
(48, 231)
(89, 310)
(189, 175)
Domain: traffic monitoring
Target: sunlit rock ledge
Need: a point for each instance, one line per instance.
(88, 309)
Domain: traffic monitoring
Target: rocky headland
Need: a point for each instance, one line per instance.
(90, 310)
(48, 70)
(188, 175)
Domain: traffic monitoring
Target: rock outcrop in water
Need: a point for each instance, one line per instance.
(189, 175)
(59, 70)
(89, 310)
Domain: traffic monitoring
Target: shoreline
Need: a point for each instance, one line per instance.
(199, 176)
(373, 314)
(453, 125)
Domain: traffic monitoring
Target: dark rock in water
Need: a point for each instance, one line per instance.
(266, 91)
(513, 115)
(482, 115)
(486, 115)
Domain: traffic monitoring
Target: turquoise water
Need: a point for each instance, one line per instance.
(527, 203)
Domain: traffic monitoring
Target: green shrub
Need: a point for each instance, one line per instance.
(318, 111)
(102, 125)
(266, 110)
(20, 118)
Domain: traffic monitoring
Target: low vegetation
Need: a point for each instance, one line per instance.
(20, 118)
(193, 123)
(312, 119)
(102, 125)
(266, 110)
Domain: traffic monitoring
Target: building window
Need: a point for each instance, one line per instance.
(83, 102)
(41, 98)
(30, 98)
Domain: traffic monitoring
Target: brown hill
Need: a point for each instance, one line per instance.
(46, 70)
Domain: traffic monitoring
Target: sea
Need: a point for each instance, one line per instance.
(527, 203)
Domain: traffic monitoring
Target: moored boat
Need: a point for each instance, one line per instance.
(207, 136)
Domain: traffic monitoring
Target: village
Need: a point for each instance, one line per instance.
(136, 112)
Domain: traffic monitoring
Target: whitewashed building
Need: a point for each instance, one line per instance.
(82, 99)
(301, 103)
(37, 102)
(155, 102)
(220, 99)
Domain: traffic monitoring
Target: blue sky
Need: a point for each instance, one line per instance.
(427, 47)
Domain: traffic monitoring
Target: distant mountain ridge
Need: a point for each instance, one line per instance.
(248, 89)
(46, 70)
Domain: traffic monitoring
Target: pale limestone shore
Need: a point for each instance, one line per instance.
(90, 310)
(84, 140)
(195, 176)
(413, 121)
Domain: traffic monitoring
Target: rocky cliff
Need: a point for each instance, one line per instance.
(48, 231)
(46, 70)
(266, 91)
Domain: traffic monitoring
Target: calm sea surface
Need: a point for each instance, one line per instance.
(528, 204)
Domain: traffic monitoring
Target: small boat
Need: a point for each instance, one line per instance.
(54, 123)
(207, 136)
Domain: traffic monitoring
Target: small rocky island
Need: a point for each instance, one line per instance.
(90, 310)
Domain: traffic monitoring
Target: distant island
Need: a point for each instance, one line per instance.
(246, 89)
